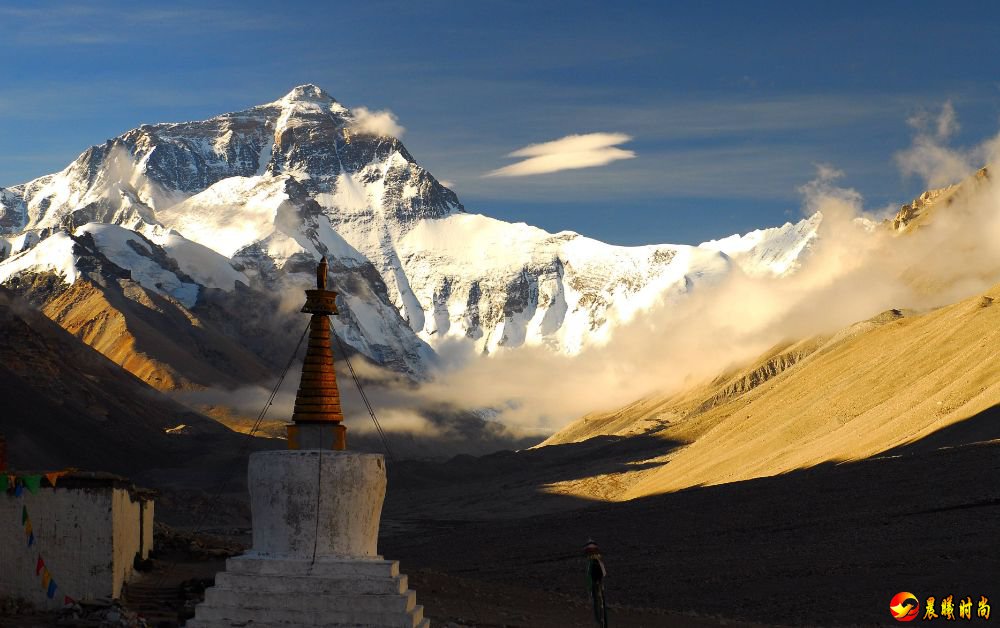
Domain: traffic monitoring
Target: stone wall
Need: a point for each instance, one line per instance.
(129, 527)
(87, 530)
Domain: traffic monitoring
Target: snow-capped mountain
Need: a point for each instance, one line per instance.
(776, 251)
(254, 198)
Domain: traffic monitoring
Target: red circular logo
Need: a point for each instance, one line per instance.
(904, 606)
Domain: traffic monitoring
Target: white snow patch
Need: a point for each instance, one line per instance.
(201, 263)
(265, 157)
(54, 254)
(769, 252)
(349, 194)
(229, 215)
(129, 250)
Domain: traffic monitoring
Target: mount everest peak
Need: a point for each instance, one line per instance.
(307, 93)
(253, 198)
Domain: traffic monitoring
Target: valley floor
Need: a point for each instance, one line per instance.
(485, 544)
(825, 546)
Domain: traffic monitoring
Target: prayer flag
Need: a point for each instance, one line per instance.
(67, 600)
(31, 539)
(52, 589)
(52, 477)
(46, 578)
(39, 566)
(4, 483)
(33, 482)
(18, 489)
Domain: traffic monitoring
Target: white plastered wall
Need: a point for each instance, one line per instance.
(73, 535)
(88, 538)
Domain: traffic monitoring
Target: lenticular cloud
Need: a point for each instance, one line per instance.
(567, 153)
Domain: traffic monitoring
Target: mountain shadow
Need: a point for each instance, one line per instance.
(827, 545)
(66, 405)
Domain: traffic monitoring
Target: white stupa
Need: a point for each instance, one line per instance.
(316, 510)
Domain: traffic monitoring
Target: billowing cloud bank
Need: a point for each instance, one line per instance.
(858, 268)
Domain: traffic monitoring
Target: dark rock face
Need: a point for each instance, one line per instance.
(473, 322)
(306, 134)
(13, 212)
(192, 156)
(431, 199)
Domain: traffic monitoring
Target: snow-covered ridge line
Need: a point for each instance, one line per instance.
(775, 251)
(256, 197)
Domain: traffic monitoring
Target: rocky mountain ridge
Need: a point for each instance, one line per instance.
(255, 197)
(64, 404)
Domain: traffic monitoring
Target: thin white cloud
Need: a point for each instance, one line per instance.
(376, 122)
(931, 157)
(947, 122)
(941, 127)
(568, 153)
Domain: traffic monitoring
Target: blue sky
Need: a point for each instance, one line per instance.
(730, 105)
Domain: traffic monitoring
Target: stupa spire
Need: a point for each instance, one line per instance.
(317, 417)
(316, 516)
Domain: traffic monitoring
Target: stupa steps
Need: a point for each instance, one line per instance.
(212, 616)
(375, 568)
(225, 623)
(311, 585)
(424, 623)
(259, 600)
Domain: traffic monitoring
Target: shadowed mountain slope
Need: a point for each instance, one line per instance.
(64, 404)
(149, 333)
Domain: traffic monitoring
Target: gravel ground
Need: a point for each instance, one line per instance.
(825, 546)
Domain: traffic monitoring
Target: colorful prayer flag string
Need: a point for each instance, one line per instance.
(10, 481)
(48, 582)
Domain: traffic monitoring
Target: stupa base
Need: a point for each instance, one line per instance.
(264, 592)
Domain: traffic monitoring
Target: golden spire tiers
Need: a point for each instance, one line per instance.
(318, 415)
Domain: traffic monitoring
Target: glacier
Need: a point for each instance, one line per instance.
(254, 198)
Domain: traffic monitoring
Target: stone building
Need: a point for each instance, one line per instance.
(85, 532)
